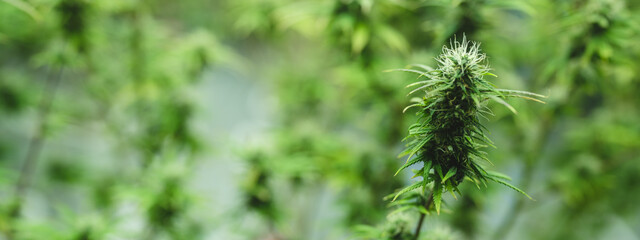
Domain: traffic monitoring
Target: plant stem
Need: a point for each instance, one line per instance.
(416, 235)
(34, 148)
(37, 141)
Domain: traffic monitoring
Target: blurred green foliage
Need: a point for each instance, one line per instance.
(273, 119)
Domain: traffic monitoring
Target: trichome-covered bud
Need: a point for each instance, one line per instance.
(448, 137)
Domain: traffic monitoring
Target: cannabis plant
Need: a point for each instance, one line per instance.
(448, 137)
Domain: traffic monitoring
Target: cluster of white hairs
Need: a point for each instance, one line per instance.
(462, 58)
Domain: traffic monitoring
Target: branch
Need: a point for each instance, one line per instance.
(422, 215)
(37, 141)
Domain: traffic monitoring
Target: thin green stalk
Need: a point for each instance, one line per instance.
(37, 140)
(35, 146)
(427, 205)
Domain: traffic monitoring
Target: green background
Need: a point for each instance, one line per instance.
(274, 119)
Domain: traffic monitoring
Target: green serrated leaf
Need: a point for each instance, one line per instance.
(439, 171)
(425, 173)
(498, 175)
(423, 210)
(473, 180)
(418, 173)
(407, 189)
(437, 196)
(498, 180)
(407, 164)
(449, 174)
(419, 145)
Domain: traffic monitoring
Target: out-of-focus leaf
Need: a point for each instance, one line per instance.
(26, 8)
(392, 38)
(360, 38)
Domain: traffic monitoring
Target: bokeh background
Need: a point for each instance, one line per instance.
(273, 119)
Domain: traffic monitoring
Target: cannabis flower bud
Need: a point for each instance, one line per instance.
(448, 137)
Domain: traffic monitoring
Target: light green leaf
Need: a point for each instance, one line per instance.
(490, 74)
(499, 100)
(407, 189)
(417, 173)
(410, 106)
(499, 175)
(419, 145)
(360, 38)
(401, 209)
(26, 8)
(437, 196)
(422, 87)
(498, 180)
(518, 92)
(420, 74)
(407, 164)
(425, 67)
(439, 171)
(425, 173)
(423, 210)
(449, 174)
(393, 39)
